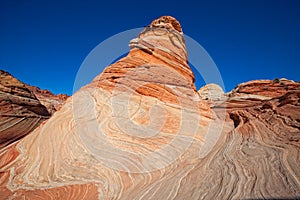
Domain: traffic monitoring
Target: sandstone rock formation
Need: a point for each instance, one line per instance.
(140, 130)
(48, 99)
(20, 111)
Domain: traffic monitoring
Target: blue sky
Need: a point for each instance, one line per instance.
(43, 43)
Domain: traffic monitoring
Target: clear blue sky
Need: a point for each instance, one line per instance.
(43, 43)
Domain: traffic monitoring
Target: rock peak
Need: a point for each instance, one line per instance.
(163, 37)
(168, 22)
(161, 47)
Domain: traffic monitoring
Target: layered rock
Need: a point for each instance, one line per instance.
(20, 111)
(140, 130)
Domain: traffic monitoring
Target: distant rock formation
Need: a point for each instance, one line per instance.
(20, 111)
(23, 108)
(48, 99)
(264, 88)
(140, 130)
(212, 92)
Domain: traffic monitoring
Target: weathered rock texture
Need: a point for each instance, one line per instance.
(140, 130)
(20, 111)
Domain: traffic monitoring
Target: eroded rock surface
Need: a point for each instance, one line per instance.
(140, 130)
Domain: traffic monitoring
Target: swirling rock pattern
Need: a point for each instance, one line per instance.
(20, 111)
(261, 153)
(140, 130)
